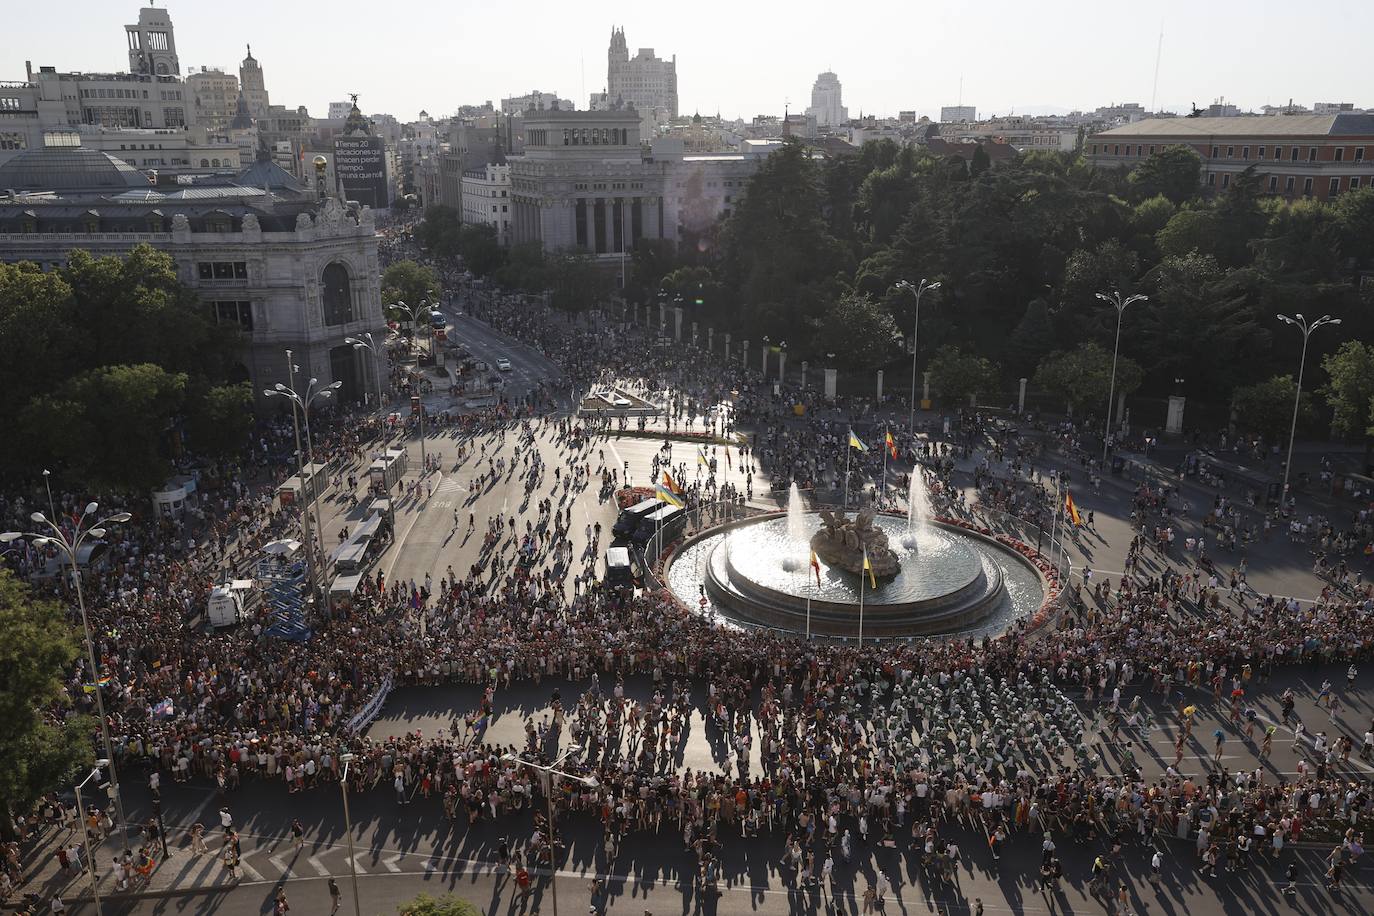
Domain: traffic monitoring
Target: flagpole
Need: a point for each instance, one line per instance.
(862, 573)
(847, 449)
(886, 451)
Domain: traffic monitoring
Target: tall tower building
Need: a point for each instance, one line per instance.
(825, 102)
(645, 82)
(152, 46)
(252, 84)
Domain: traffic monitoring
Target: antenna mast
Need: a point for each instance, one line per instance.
(1159, 52)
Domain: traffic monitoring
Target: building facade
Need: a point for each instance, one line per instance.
(826, 105)
(1295, 155)
(263, 254)
(153, 44)
(253, 85)
(486, 199)
(644, 82)
(535, 101)
(586, 184)
(954, 113)
(213, 95)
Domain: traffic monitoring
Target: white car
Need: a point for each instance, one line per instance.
(503, 364)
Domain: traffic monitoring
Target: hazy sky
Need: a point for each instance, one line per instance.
(747, 58)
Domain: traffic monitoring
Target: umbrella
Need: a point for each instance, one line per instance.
(282, 547)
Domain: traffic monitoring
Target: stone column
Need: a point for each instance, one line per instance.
(880, 386)
(1173, 424)
(677, 323)
(830, 375)
(589, 220)
(744, 354)
(925, 386)
(782, 365)
(803, 379)
(1021, 398)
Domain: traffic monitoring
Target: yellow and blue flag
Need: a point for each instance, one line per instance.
(701, 458)
(868, 568)
(856, 442)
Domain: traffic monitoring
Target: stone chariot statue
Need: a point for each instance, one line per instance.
(841, 542)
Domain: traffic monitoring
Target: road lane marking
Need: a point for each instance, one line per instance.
(358, 863)
(249, 870)
(280, 865)
(319, 866)
(390, 863)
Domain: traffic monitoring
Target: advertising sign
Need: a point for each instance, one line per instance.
(360, 163)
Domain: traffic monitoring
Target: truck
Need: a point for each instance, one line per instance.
(231, 602)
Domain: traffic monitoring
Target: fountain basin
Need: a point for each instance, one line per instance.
(954, 581)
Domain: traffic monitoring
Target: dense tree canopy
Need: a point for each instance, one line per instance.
(41, 742)
(112, 361)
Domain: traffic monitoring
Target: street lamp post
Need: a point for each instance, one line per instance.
(70, 546)
(550, 772)
(302, 401)
(367, 343)
(1307, 328)
(918, 291)
(86, 833)
(1120, 304)
(348, 831)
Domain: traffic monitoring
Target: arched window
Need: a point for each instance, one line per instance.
(338, 297)
(205, 163)
(215, 163)
(161, 68)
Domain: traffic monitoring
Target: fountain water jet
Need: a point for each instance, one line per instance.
(917, 511)
(796, 530)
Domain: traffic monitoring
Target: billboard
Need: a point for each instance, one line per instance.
(360, 164)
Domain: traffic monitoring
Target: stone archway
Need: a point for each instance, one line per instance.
(336, 294)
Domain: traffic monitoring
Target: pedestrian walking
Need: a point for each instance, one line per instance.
(334, 896)
(297, 833)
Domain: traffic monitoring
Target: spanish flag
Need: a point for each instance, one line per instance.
(855, 442)
(891, 444)
(670, 483)
(1071, 509)
(816, 565)
(868, 568)
(701, 458)
(668, 496)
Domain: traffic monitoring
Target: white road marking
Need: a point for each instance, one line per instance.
(319, 866)
(390, 863)
(249, 870)
(280, 865)
(358, 863)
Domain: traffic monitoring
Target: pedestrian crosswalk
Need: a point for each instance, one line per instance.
(279, 860)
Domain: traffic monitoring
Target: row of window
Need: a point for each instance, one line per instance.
(233, 312)
(10, 141)
(1295, 153)
(222, 270)
(113, 94)
(1353, 183)
(10, 103)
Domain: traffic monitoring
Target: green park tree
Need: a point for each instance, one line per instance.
(42, 740)
(409, 282)
(859, 331)
(220, 420)
(958, 376)
(1267, 407)
(1350, 388)
(1082, 377)
(1173, 172)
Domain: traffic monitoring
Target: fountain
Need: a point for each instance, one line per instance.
(917, 510)
(796, 530)
(748, 573)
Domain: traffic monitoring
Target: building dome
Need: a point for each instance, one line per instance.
(68, 168)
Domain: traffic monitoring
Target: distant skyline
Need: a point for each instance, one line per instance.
(744, 59)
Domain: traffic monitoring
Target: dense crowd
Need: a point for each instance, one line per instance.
(831, 747)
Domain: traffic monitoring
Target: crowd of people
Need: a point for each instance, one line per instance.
(833, 749)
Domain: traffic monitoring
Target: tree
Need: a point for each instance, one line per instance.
(219, 420)
(411, 283)
(1083, 376)
(1173, 171)
(42, 743)
(1188, 231)
(858, 331)
(480, 249)
(577, 282)
(1267, 407)
(447, 905)
(1351, 388)
(1031, 340)
(980, 162)
(959, 376)
(110, 424)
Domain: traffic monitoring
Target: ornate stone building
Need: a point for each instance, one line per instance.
(263, 253)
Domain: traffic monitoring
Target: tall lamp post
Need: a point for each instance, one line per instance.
(1120, 304)
(86, 834)
(1307, 328)
(70, 547)
(302, 401)
(413, 312)
(918, 291)
(366, 343)
(348, 832)
(550, 772)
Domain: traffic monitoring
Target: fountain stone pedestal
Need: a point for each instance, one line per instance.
(843, 543)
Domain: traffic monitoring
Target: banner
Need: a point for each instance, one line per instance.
(369, 712)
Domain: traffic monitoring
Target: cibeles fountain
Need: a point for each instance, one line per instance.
(927, 578)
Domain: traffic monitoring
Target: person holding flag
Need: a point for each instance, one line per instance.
(1072, 510)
